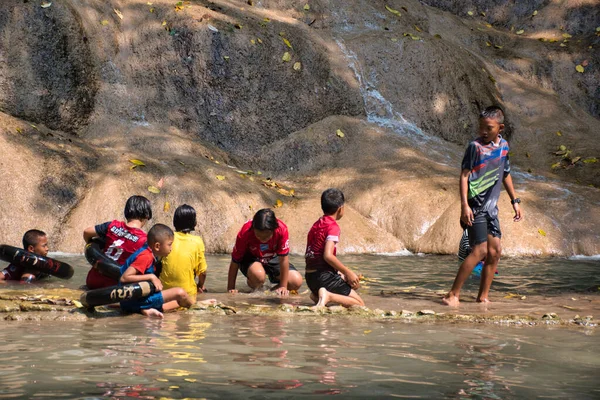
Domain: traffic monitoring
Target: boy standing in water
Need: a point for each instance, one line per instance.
(323, 268)
(122, 239)
(186, 260)
(141, 266)
(36, 242)
(485, 166)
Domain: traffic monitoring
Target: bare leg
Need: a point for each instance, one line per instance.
(465, 269)
(175, 298)
(151, 312)
(491, 263)
(256, 276)
(294, 280)
(325, 297)
(314, 298)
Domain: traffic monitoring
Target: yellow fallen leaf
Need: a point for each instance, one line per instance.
(415, 37)
(390, 9)
(566, 35)
(238, 26)
(339, 133)
(542, 232)
(470, 13)
(252, 41)
(286, 57)
(77, 304)
(511, 296)
(151, 9)
(153, 189)
(534, 13)
(590, 160)
(119, 14)
(104, 22)
(226, 58)
(190, 380)
(488, 44)
(164, 23)
(579, 68)
(394, 39)
(259, 41)
(278, 204)
(556, 165)
(45, 4)
(287, 43)
(19, 130)
(418, 29)
(488, 25)
(498, 47)
(482, 14)
(167, 206)
(367, 331)
(173, 387)
(563, 45)
(520, 32)
(137, 163)
(558, 133)
(297, 66)
(306, 7)
(34, 127)
(284, 192)
(220, 177)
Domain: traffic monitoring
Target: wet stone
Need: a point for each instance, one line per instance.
(304, 309)
(337, 310)
(426, 312)
(406, 313)
(287, 308)
(550, 316)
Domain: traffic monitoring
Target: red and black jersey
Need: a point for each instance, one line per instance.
(326, 228)
(247, 244)
(121, 241)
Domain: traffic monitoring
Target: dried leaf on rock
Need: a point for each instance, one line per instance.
(287, 43)
(278, 204)
(488, 44)
(167, 206)
(470, 13)
(418, 29)
(212, 28)
(367, 331)
(534, 13)
(288, 193)
(119, 14)
(558, 133)
(220, 177)
(590, 160)
(238, 26)
(339, 133)
(46, 4)
(556, 165)
(541, 232)
(520, 32)
(566, 35)
(306, 7)
(286, 57)
(390, 9)
(19, 130)
(252, 41)
(579, 68)
(153, 189)
(297, 66)
(104, 22)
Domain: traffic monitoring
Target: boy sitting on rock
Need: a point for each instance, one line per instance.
(140, 267)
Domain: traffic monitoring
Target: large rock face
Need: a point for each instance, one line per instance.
(204, 91)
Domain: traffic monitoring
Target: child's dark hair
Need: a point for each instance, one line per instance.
(184, 219)
(32, 237)
(138, 207)
(494, 112)
(159, 233)
(264, 220)
(331, 200)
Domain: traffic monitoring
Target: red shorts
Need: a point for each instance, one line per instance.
(95, 280)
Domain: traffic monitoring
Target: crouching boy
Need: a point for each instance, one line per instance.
(140, 267)
(323, 269)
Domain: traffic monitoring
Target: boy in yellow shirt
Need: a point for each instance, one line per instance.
(186, 260)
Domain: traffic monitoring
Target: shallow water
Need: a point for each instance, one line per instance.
(197, 355)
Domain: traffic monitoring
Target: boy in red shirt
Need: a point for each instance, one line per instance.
(261, 249)
(122, 239)
(323, 269)
(140, 267)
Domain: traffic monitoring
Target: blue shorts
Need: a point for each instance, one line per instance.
(155, 301)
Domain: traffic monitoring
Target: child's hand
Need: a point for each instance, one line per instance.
(282, 291)
(201, 289)
(353, 280)
(466, 215)
(157, 283)
(518, 216)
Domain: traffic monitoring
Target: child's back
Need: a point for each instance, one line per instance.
(184, 263)
(186, 260)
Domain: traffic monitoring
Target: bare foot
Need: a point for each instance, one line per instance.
(451, 300)
(323, 297)
(314, 298)
(153, 313)
(208, 302)
(485, 300)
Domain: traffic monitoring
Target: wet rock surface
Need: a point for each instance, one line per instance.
(205, 92)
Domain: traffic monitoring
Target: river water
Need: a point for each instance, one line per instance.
(195, 355)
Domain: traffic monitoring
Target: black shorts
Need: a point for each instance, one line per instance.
(481, 227)
(330, 280)
(271, 267)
